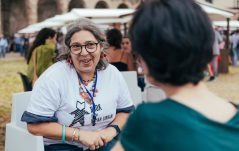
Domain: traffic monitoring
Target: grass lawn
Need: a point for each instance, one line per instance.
(10, 83)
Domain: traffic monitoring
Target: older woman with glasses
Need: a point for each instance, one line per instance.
(81, 102)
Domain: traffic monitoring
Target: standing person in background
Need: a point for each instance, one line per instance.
(3, 46)
(25, 46)
(122, 60)
(19, 42)
(126, 46)
(41, 54)
(216, 52)
(174, 40)
(12, 46)
(81, 102)
(235, 43)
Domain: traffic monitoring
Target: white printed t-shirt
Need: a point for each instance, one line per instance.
(55, 97)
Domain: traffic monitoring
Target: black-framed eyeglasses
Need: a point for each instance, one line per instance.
(90, 47)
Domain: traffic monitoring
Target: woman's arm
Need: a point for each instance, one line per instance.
(50, 130)
(53, 130)
(109, 132)
(130, 62)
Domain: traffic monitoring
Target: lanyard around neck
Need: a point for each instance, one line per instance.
(91, 96)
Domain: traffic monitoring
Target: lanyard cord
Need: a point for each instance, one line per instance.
(91, 96)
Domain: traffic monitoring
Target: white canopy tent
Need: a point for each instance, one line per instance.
(108, 17)
(104, 17)
(233, 24)
(38, 26)
(216, 13)
(103, 13)
(64, 18)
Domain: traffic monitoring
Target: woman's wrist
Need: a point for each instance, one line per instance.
(112, 131)
(74, 135)
(71, 133)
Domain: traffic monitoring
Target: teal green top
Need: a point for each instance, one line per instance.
(44, 57)
(171, 126)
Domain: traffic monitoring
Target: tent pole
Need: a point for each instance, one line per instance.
(224, 61)
(125, 29)
(227, 34)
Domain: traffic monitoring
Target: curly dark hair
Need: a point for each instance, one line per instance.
(114, 38)
(41, 37)
(174, 38)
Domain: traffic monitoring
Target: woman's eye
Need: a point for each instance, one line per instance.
(90, 45)
(75, 46)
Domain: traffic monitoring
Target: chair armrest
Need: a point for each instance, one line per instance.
(18, 138)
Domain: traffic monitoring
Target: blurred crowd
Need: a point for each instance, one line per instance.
(16, 43)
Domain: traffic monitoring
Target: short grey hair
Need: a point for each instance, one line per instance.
(85, 24)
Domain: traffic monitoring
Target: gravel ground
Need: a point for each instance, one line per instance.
(226, 86)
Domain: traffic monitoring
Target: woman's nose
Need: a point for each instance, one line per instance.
(84, 51)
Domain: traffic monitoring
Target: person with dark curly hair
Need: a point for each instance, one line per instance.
(174, 40)
(41, 54)
(121, 59)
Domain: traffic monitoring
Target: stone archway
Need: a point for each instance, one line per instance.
(123, 5)
(101, 4)
(15, 16)
(46, 9)
(76, 4)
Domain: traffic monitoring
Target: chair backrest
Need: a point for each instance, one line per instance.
(26, 82)
(19, 105)
(132, 82)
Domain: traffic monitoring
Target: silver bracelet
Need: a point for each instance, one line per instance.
(79, 135)
(73, 135)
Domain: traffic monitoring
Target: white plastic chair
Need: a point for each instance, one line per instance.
(132, 82)
(17, 136)
(153, 93)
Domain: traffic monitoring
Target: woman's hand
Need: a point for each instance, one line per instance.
(91, 139)
(108, 134)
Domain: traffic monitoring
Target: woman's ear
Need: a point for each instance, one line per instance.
(146, 71)
(101, 48)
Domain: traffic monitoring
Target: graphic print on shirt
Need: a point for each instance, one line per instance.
(80, 113)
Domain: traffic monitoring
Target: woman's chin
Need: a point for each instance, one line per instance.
(87, 70)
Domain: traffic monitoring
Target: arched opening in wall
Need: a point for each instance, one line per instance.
(15, 18)
(123, 5)
(46, 9)
(76, 4)
(101, 4)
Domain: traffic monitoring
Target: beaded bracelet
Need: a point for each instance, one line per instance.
(63, 134)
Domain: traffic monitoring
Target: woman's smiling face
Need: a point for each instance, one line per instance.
(85, 51)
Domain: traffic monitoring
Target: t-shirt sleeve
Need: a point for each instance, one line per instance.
(133, 135)
(45, 98)
(124, 101)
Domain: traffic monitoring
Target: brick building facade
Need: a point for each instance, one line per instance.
(17, 14)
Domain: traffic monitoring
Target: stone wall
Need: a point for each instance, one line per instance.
(17, 14)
